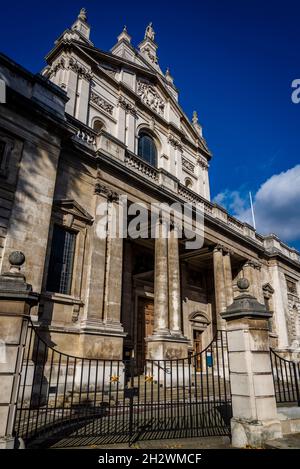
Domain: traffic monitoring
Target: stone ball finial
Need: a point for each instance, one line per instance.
(243, 284)
(16, 258)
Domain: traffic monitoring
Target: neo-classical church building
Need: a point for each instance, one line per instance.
(93, 127)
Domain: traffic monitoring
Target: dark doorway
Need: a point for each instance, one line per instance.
(145, 325)
(197, 348)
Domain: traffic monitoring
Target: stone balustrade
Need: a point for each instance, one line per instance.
(139, 165)
(83, 133)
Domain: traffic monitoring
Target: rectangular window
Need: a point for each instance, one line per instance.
(61, 261)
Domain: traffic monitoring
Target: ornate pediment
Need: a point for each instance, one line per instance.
(151, 97)
(72, 208)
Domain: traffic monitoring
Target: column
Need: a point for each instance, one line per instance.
(254, 409)
(161, 300)
(121, 122)
(174, 283)
(71, 91)
(220, 289)
(114, 264)
(96, 275)
(167, 341)
(130, 131)
(83, 101)
(16, 300)
(103, 311)
(228, 277)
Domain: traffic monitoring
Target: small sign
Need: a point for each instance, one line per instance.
(209, 359)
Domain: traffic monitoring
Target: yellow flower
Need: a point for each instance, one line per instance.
(114, 378)
(148, 379)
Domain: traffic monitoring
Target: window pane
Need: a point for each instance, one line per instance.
(61, 261)
(147, 149)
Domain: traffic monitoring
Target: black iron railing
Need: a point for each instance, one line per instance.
(65, 400)
(286, 377)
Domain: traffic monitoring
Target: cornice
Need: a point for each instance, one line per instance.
(32, 108)
(33, 78)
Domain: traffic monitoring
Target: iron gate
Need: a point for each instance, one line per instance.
(64, 400)
(286, 378)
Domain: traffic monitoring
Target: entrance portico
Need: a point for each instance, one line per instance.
(165, 285)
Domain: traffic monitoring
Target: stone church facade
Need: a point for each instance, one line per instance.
(95, 126)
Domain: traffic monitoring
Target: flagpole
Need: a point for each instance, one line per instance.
(252, 210)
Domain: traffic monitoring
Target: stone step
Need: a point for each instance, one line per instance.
(289, 418)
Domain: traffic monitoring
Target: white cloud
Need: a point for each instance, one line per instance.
(276, 205)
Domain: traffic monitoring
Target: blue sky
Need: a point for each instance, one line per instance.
(232, 60)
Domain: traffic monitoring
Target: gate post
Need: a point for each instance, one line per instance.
(254, 409)
(16, 300)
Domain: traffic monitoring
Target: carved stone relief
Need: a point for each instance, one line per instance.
(150, 96)
(188, 165)
(72, 65)
(174, 142)
(101, 102)
(78, 68)
(129, 107)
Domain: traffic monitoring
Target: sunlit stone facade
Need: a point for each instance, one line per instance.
(95, 126)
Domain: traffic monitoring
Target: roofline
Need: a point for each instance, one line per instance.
(33, 77)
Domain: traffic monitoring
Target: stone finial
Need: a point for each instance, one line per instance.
(124, 35)
(195, 118)
(82, 15)
(16, 260)
(245, 305)
(168, 76)
(14, 281)
(243, 284)
(195, 122)
(149, 33)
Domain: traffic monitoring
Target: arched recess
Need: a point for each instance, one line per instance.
(188, 183)
(199, 322)
(98, 125)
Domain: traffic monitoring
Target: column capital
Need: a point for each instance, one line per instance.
(101, 189)
(218, 248)
(253, 263)
(227, 251)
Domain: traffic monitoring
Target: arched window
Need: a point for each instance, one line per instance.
(147, 149)
(188, 183)
(98, 125)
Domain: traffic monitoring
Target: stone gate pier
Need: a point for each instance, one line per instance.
(254, 409)
(16, 300)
